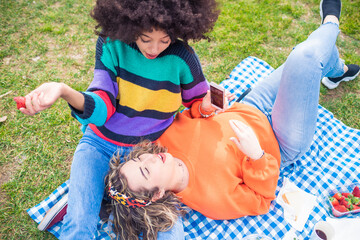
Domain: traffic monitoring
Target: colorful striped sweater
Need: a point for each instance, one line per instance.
(132, 98)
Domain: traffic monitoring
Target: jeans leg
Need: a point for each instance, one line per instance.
(263, 95)
(86, 190)
(295, 109)
(175, 233)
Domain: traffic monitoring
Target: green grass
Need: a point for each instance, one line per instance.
(54, 41)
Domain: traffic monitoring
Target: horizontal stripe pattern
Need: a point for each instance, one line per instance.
(109, 106)
(127, 140)
(146, 113)
(103, 81)
(139, 98)
(190, 94)
(93, 104)
(172, 66)
(149, 83)
(137, 126)
(146, 93)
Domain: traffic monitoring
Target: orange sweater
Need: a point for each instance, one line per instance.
(223, 182)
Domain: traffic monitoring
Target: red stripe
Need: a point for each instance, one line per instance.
(97, 132)
(188, 104)
(105, 97)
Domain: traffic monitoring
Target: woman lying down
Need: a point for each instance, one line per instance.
(226, 165)
(202, 166)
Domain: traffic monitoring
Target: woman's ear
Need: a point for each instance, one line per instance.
(159, 194)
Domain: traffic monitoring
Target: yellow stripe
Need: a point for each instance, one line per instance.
(140, 99)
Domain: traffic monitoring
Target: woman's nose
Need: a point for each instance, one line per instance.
(149, 158)
(154, 49)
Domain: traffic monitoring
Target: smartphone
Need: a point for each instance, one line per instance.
(217, 94)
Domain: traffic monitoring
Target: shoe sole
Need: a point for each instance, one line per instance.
(50, 215)
(331, 85)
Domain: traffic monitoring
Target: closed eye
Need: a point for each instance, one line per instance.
(140, 168)
(145, 41)
(142, 173)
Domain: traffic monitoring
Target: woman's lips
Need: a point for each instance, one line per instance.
(163, 156)
(149, 56)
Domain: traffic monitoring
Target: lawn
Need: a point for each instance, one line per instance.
(54, 41)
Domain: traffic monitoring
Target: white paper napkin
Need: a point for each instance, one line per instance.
(308, 202)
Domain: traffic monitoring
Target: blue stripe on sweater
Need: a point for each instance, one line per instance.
(99, 112)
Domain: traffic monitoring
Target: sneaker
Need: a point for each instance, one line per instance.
(330, 7)
(55, 214)
(351, 74)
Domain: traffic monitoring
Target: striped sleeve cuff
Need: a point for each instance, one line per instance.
(95, 110)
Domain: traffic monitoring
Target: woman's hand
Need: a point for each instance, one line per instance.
(206, 103)
(42, 98)
(229, 97)
(246, 140)
(46, 95)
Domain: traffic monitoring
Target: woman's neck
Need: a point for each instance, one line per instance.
(182, 176)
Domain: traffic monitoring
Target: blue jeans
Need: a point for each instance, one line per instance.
(89, 168)
(289, 96)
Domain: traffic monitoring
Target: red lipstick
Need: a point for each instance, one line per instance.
(149, 56)
(163, 157)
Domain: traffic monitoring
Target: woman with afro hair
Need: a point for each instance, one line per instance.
(144, 71)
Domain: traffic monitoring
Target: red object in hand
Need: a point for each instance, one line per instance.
(20, 102)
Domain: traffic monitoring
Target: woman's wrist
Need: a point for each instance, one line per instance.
(205, 114)
(64, 90)
(260, 155)
(73, 97)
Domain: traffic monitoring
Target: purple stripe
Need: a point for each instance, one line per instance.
(197, 90)
(136, 126)
(103, 81)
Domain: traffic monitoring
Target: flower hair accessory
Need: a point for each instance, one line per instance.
(125, 200)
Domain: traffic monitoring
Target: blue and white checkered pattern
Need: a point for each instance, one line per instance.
(332, 160)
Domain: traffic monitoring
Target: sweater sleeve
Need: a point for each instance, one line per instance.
(193, 112)
(97, 109)
(254, 193)
(195, 89)
(105, 82)
(251, 196)
(261, 175)
(100, 97)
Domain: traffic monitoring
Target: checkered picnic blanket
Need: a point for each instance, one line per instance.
(332, 160)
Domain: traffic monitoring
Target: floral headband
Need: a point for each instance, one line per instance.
(125, 200)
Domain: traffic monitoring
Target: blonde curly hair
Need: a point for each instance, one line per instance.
(130, 223)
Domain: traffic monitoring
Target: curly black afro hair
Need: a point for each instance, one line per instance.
(181, 19)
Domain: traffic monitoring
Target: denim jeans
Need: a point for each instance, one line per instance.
(89, 168)
(289, 96)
